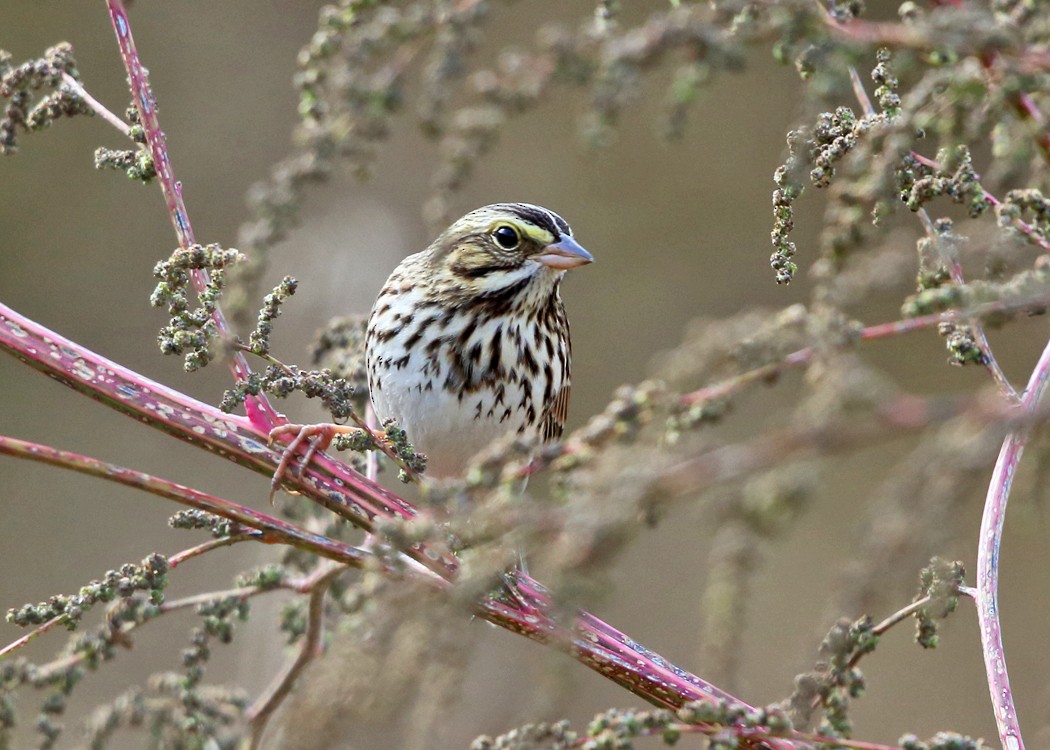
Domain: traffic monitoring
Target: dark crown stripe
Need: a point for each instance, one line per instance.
(540, 217)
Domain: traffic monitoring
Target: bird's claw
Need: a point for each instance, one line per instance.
(317, 438)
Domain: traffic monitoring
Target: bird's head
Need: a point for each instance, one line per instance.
(506, 245)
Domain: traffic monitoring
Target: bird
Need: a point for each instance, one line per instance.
(468, 340)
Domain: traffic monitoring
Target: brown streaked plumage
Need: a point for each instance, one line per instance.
(468, 340)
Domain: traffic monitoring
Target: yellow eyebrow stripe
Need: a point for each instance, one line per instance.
(536, 234)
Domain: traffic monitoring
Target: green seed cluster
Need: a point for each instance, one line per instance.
(941, 741)
(1029, 205)
(17, 84)
(941, 581)
(821, 148)
(219, 527)
(1023, 291)
(833, 684)
(953, 177)
(137, 164)
(886, 85)
(789, 188)
(281, 381)
(614, 729)
(191, 332)
(728, 720)
(398, 441)
(259, 339)
(962, 345)
(150, 576)
(553, 735)
(623, 418)
(267, 577)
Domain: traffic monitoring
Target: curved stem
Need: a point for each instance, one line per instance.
(988, 559)
(259, 713)
(188, 554)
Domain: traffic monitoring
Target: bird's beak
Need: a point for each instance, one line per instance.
(564, 254)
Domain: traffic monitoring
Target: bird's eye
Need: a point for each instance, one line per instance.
(506, 237)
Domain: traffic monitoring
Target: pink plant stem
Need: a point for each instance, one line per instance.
(988, 560)
(609, 652)
(205, 547)
(267, 528)
(331, 483)
(96, 106)
(259, 409)
(526, 610)
(32, 635)
(802, 357)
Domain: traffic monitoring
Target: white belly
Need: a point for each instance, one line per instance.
(448, 430)
(450, 423)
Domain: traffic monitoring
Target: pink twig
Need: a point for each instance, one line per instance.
(988, 560)
(870, 333)
(259, 409)
(32, 635)
(267, 527)
(325, 480)
(96, 106)
(204, 547)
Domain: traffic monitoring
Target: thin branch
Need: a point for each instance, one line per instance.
(901, 615)
(270, 529)
(860, 93)
(751, 734)
(45, 672)
(243, 592)
(897, 617)
(259, 713)
(259, 409)
(316, 585)
(200, 549)
(33, 635)
(96, 106)
(801, 357)
(174, 560)
(1021, 226)
(892, 419)
(976, 329)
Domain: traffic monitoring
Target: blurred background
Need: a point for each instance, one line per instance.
(679, 230)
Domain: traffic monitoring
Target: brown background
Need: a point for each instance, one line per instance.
(679, 230)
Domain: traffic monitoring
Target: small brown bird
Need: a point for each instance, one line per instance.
(468, 340)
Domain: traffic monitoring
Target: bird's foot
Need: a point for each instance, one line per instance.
(317, 437)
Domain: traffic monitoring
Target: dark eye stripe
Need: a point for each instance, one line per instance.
(476, 272)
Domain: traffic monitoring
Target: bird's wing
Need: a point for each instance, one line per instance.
(553, 423)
